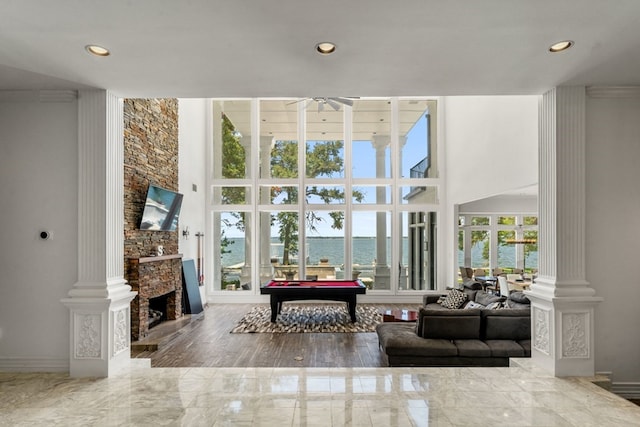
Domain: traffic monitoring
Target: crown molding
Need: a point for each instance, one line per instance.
(613, 91)
(38, 95)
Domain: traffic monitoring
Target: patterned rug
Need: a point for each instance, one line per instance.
(309, 318)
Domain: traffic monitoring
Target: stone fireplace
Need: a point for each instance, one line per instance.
(151, 155)
(159, 279)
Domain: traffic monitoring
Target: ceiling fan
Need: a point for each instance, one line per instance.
(334, 102)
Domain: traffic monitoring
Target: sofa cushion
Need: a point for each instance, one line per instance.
(505, 348)
(486, 298)
(470, 293)
(506, 324)
(399, 339)
(526, 345)
(430, 299)
(472, 348)
(519, 297)
(517, 300)
(449, 324)
(454, 299)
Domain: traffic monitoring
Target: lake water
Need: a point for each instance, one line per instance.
(364, 252)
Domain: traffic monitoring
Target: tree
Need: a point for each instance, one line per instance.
(323, 159)
(233, 166)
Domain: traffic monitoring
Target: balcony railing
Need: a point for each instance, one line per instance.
(420, 169)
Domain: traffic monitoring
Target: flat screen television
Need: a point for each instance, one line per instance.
(161, 209)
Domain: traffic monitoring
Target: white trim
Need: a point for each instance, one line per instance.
(613, 91)
(11, 364)
(38, 95)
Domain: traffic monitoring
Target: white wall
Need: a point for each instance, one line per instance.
(491, 146)
(38, 172)
(192, 128)
(613, 236)
(502, 204)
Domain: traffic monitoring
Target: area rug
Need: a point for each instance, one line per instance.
(305, 318)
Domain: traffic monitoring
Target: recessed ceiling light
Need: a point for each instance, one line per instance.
(325, 48)
(560, 46)
(96, 50)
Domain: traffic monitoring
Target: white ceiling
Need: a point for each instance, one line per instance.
(265, 48)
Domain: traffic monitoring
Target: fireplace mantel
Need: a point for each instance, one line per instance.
(142, 260)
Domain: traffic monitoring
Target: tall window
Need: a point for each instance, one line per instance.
(300, 191)
(509, 242)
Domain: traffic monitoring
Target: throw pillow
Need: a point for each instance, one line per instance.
(454, 299)
(485, 298)
(495, 305)
(473, 304)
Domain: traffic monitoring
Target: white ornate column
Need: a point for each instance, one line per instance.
(562, 309)
(99, 302)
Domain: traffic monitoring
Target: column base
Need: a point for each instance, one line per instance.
(562, 333)
(100, 335)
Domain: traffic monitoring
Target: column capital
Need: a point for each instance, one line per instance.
(267, 140)
(380, 142)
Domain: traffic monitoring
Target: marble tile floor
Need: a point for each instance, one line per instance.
(515, 396)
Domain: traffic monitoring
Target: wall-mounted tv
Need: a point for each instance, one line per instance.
(161, 209)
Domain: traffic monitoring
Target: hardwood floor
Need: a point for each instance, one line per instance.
(206, 342)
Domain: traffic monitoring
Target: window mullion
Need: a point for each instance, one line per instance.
(255, 260)
(395, 257)
(348, 188)
(302, 173)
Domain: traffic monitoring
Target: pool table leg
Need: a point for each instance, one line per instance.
(351, 303)
(275, 307)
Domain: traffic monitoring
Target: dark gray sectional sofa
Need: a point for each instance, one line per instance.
(458, 337)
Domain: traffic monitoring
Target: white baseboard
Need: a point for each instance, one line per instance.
(34, 365)
(628, 390)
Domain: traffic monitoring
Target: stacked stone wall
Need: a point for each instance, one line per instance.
(150, 157)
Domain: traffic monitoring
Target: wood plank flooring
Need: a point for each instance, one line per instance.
(206, 342)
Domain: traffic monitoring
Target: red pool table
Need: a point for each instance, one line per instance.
(296, 290)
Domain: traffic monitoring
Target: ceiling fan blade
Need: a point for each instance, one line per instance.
(297, 101)
(346, 101)
(333, 103)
